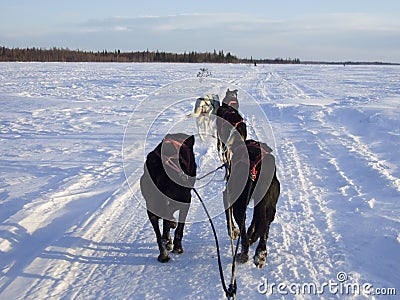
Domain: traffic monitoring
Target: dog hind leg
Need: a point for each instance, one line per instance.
(240, 217)
(233, 232)
(178, 235)
(166, 237)
(163, 257)
(251, 232)
(260, 256)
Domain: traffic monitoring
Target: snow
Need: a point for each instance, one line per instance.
(73, 138)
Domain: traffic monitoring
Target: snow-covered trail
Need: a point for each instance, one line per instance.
(72, 228)
(335, 154)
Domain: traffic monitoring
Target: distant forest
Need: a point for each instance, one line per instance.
(67, 55)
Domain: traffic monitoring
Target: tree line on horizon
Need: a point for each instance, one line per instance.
(66, 55)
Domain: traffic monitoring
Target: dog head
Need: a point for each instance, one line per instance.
(231, 99)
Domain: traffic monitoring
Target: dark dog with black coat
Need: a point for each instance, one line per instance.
(229, 121)
(230, 124)
(169, 175)
(262, 185)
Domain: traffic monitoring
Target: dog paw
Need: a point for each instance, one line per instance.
(234, 233)
(163, 258)
(242, 258)
(260, 259)
(177, 250)
(167, 243)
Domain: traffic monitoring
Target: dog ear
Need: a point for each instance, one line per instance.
(235, 91)
(190, 141)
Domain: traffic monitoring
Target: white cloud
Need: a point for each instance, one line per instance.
(120, 28)
(373, 36)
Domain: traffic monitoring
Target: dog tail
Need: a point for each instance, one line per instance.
(195, 114)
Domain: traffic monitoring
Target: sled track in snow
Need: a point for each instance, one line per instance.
(305, 241)
(322, 161)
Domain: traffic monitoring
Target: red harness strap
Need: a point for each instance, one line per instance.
(253, 163)
(234, 124)
(169, 160)
(260, 157)
(229, 111)
(232, 102)
(229, 100)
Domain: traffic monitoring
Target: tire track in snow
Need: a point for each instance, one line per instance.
(119, 208)
(340, 137)
(301, 203)
(355, 144)
(352, 142)
(317, 133)
(310, 247)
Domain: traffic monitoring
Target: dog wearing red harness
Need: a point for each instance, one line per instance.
(231, 99)
(262, 185)
(229, 122)
(169, 175)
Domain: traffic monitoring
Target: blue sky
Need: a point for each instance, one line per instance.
(357, 30)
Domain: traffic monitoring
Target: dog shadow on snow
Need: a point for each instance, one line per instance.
(137, 253)
(80, 250)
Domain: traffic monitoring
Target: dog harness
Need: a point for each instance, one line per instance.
(232, 131)
(210, 102)
(259, 158)
(234, 128)
(234, 101)
(171, 159)
(234, 124)
(253, 163)
(205, 106)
